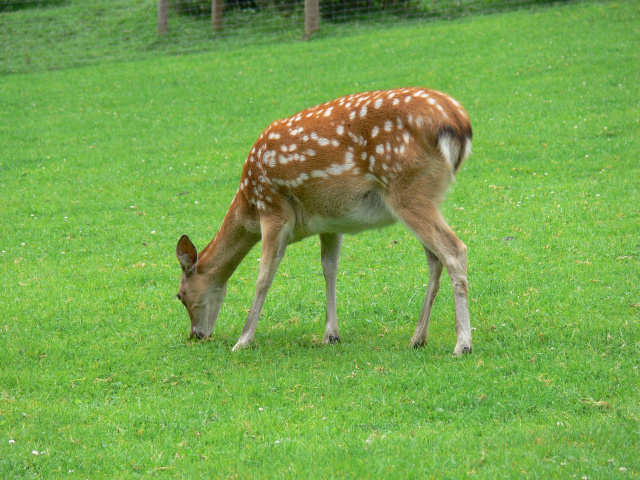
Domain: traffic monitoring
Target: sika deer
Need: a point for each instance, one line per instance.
(359, 162)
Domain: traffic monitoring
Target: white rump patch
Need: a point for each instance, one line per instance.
(467, 149)
(450, 148)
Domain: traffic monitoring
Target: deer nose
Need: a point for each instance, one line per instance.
(195, 333)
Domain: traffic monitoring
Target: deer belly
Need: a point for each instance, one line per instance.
(365, 213)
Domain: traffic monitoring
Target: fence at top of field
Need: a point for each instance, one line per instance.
(52, 34)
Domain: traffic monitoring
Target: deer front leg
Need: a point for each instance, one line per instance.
(275, 237)
(330, 245)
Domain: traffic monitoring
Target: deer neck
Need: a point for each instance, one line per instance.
(220, 258)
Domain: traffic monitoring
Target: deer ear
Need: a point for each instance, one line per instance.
(186, 253)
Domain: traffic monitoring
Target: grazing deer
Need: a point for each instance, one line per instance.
(359, 162)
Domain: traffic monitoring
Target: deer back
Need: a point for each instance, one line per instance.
(336, 160)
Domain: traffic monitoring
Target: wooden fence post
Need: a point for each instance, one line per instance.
(163, 16)
(217, 12)
(311, 17)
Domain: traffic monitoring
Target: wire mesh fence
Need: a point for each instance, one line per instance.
(40, 35)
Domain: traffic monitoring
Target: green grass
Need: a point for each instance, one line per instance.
(103, 168)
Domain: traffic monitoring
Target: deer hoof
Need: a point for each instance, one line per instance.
(462, 351)
(241, 345)
(331, 339)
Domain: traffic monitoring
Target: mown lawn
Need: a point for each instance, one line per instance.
(103, 168)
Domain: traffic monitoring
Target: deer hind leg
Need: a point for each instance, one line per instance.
(275, 238)
(330, 244)
(419, 338)
(418, 213)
